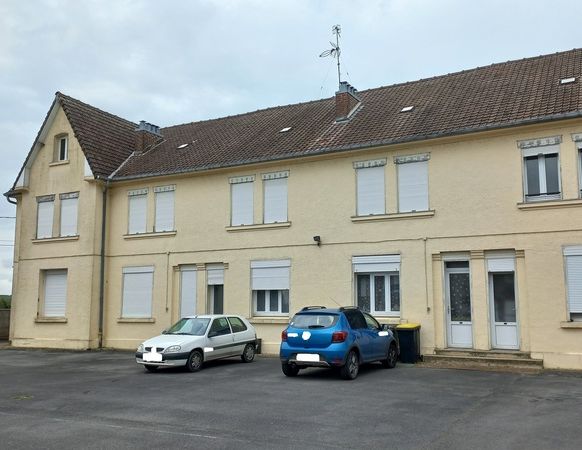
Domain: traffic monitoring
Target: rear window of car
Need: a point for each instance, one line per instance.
(314, 320)
(236, 324)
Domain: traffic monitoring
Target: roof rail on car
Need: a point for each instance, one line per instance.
(343, 308)
(307, 308)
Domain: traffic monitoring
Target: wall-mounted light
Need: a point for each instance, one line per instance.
(317, 240)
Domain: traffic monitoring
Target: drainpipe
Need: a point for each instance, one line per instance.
(102, 257)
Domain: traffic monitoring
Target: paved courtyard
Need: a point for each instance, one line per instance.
(104, 400)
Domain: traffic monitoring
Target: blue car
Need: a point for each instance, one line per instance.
(340, 338)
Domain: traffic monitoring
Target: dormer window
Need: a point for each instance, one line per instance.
(61, 148)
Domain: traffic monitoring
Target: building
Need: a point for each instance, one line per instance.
(453, 201)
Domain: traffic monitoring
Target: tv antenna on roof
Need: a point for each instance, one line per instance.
(335, 51)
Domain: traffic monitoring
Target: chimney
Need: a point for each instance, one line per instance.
(146, 136)
(346, 101)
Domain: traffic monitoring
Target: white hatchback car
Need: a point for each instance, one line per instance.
(193, 340)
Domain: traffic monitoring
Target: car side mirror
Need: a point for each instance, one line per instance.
(212, 334)
(165, 331)
(385, 327)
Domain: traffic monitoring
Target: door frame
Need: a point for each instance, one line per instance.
(492, 321)
(447, 298)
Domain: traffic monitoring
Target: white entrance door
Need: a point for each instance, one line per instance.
(458, 293)
(502, 299)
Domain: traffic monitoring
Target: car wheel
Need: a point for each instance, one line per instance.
(290, 370)
(248, 354)
(151, 368)
(350, 369)
(390, 361)
(195, 361)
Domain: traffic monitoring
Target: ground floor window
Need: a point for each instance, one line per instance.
(55, 293)
(138, 286)
(215, 277)
(270, 287)
(377, 284)
(573, 269)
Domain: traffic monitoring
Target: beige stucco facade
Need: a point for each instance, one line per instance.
(476, 209)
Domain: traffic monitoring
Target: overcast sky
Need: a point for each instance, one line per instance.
(170, 62)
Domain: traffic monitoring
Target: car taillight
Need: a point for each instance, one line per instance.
(339, 336)
(284, 335)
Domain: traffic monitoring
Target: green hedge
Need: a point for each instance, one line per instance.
(5, 301)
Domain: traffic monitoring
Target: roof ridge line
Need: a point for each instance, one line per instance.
(60, 95)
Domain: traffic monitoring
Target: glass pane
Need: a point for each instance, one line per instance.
(285, 301)
(379, 293)
(460, 296)
(363, 294)
(457, 264)
(552, 182)
(504, 297)
(260, 300)
(273, 301)
(532, 175)
(218, 298)
(395, 293)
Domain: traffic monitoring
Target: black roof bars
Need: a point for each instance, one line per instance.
(307, 308)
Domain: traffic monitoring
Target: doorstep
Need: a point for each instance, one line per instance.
(494, 360)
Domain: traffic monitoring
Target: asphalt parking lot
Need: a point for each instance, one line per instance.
(104, 400)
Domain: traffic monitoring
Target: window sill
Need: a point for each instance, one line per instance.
(269, 319)
(150, 235)
(50, 320)
(58, 163)
(394, 216)
(55, 239)
(260, 226)
(136, 320)
(550, 204)
(571, 325)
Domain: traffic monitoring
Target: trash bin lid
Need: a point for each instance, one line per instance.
(408, 326)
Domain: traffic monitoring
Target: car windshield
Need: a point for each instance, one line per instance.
(314, 320)
(194, 327)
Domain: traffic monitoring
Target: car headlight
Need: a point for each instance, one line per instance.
(140, 348)
(172, 349)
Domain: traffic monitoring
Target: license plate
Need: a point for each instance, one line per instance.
(152, 357)
(307, 357)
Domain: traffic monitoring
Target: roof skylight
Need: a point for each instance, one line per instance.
(182, 146)
(407, 108)
(284, 130)
(567, 80)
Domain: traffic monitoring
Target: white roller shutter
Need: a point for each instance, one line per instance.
(573, 257)
(242, 203)
(55, 293)
(69, 216)
(377, 263)
(137, 213)
(164, 211)
(44, 225)
(501, 265)
(187, 291)
(137, 292)
(215, 274)
(275, 200)
(270, 275)
(413, 186)
(371, 199)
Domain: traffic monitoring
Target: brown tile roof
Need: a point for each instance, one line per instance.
(495, 96)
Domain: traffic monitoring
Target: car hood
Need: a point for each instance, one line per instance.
(165, 340)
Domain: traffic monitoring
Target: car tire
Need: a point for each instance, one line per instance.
(195, 360)
(349, 371)
(248, 354)
(151, 368)
(390, 361)
(290, 370)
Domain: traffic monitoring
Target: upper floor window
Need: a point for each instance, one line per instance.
(371, 198)
(45, 216)
(578, 140)
(61, 148)
(541, 168)
(412, 182)
(275, 191)
(573, 269)
(138, 201)
(164, 208)
(69, 208)
(241, 195)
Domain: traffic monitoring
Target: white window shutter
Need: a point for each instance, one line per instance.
(69, 216)
(188, 291)
(137, 292)
(574, 282)
(270, 275)
(137, 213)
(501, 264)
(242, 203)
(371, 199)
(275, 200)
(413, 186)
(378, 263)
(215, 274)
(44, 226)
(164, 211)
(55, 293)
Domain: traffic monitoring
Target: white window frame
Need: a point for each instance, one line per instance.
(573, 305)
(164, 192)
(420, 162)
(61, 310)
(388, 312)
(364, 169)
(577, 138)
(540, 148)
(268, 311)
(267, 276)
(44, 200)
(59, 140)
(276, 212)
(148, 311)
(377, 265)
(236, 218)
(141, 194)
(73, 198)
